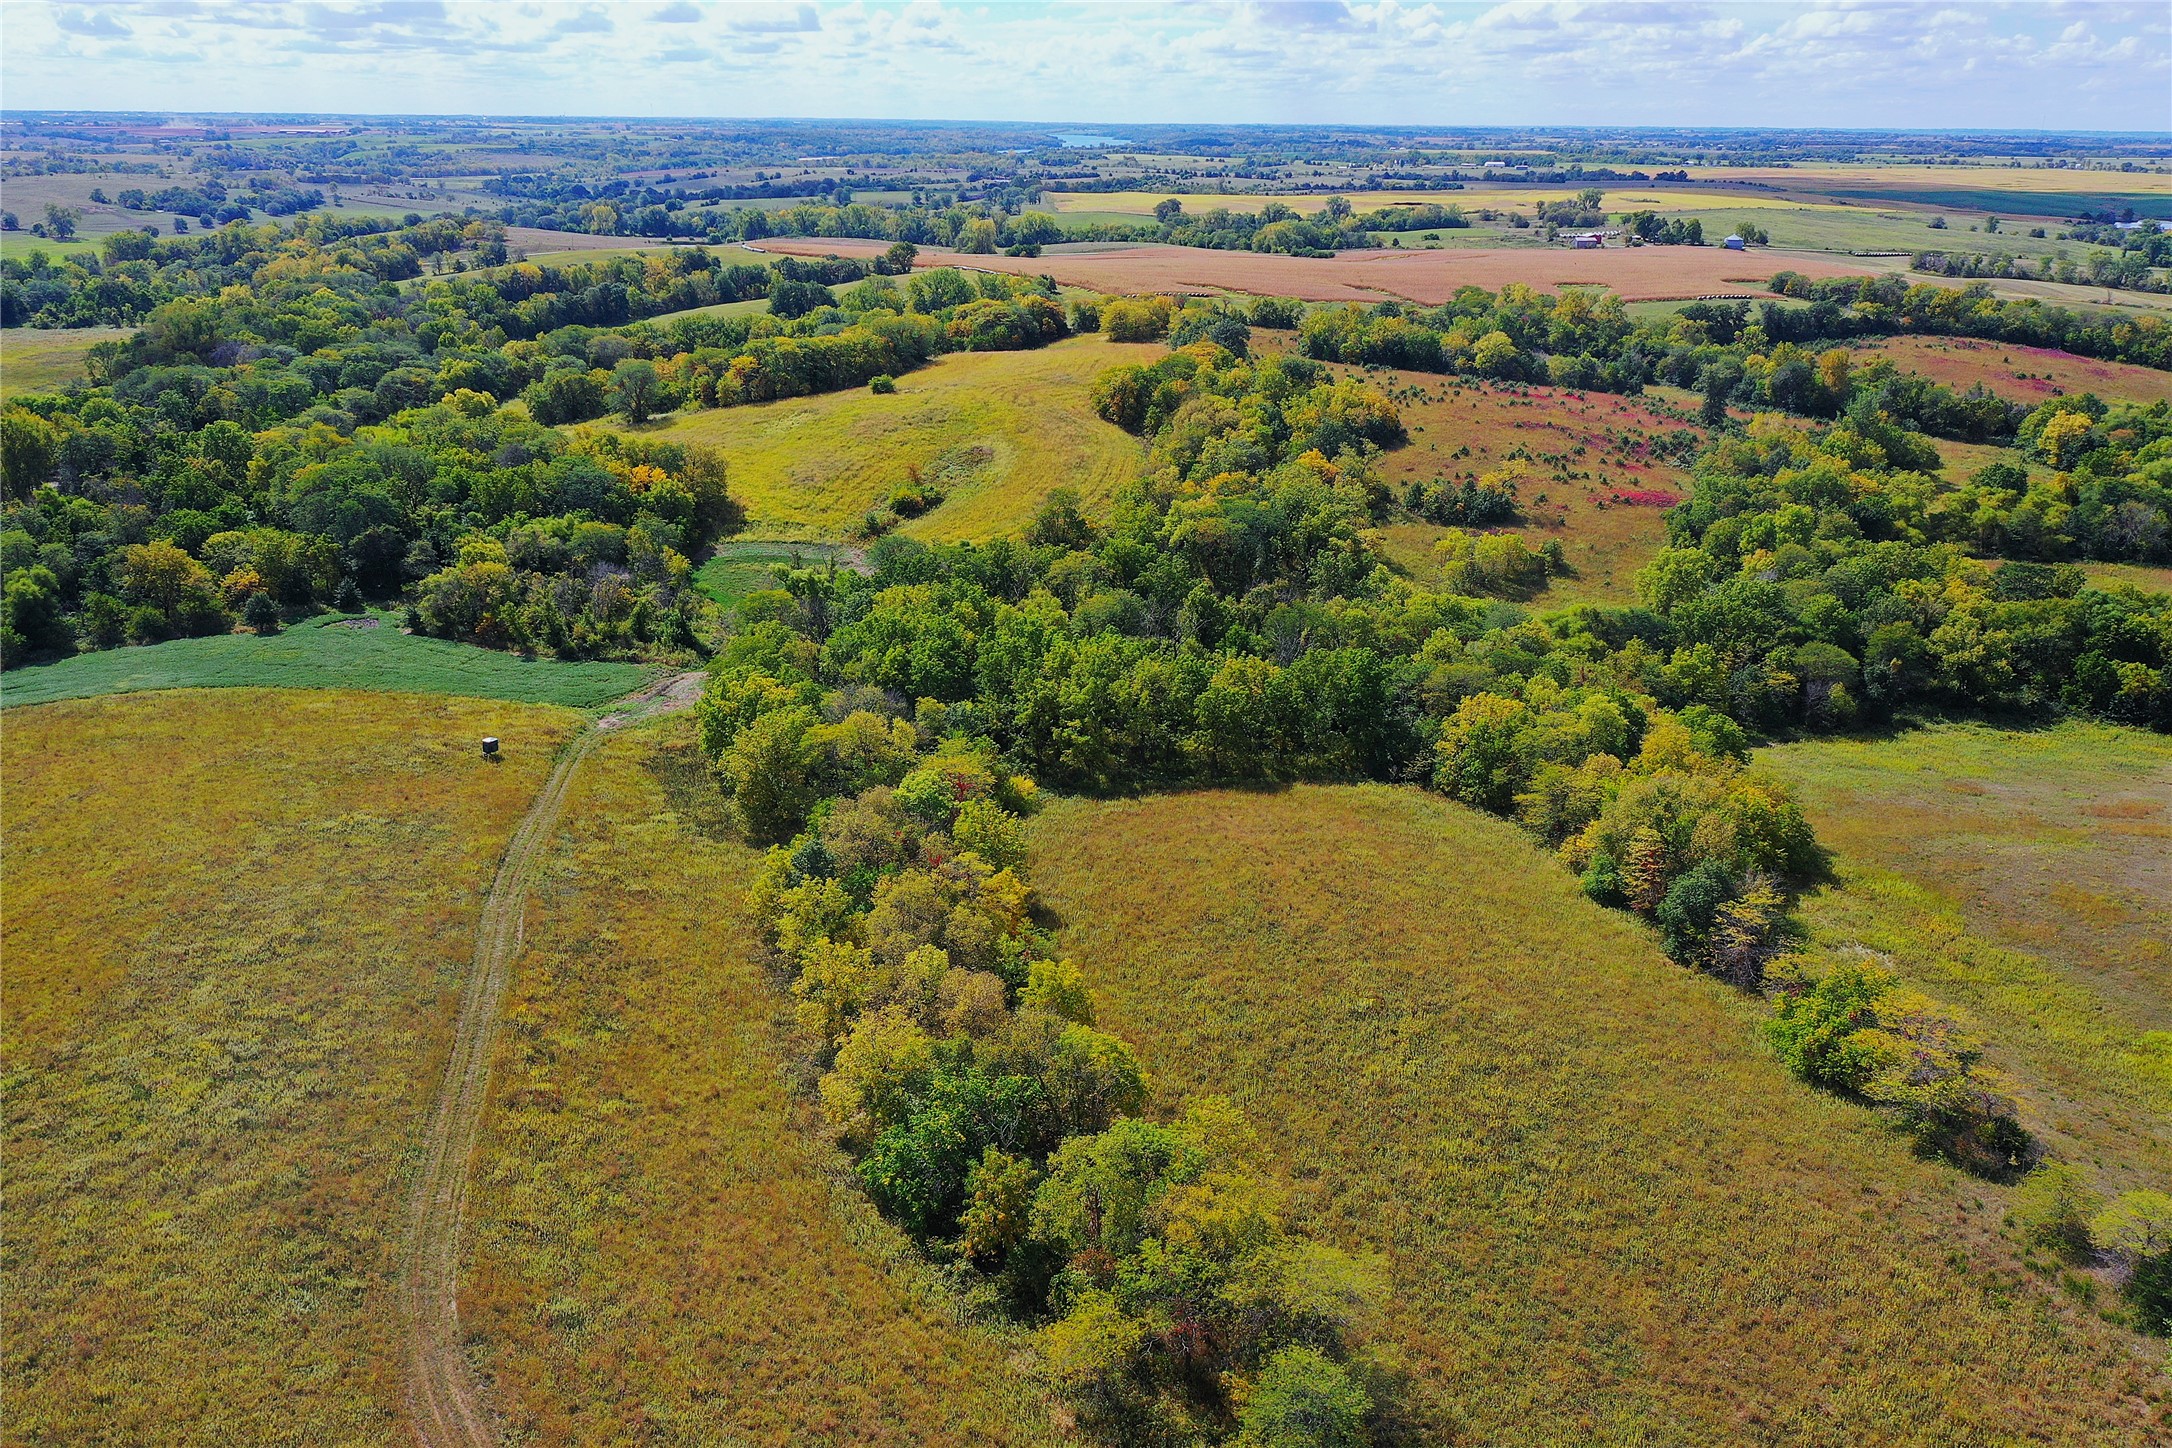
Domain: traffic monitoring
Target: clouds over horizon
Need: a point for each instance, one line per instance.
(2051, 64)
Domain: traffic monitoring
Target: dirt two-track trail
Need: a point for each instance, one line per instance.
(444, 1403)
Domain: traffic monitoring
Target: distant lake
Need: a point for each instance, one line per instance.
(1078, 139)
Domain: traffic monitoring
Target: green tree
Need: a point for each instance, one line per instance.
(635, 389)
(1304, 1399)
(29, 449)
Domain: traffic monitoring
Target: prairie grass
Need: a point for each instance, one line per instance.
(38, 360)
(2022, 875)
(236, 921)
(814, 466)
(2028, 375)
(1571, 442)
(361, 651)
(662, 1251)
(1609, 1216)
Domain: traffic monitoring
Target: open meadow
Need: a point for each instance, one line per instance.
(34, 360)
(2025, 876)
(2028, 375)
(1591, 475)
(663, 1248)
(995, 432)
(1647, 273)
(1609, 1214)
(236, 923)
(332, 651)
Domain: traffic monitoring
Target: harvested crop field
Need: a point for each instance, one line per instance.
(1645, 273)
(1594, 475)
(2025, 374)
(663, 1250)
(1609, 1215)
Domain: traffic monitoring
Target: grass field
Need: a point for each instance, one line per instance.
(2023, 876)
(1580, 448)
(41, 360)
(746, 565)
(664, 1252)
(1610, 1216)
(228, 989)
(1002, 429)
(1650, 273)
(365, 651)
(2025, 374)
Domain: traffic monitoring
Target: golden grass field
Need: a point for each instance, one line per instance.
(2025, 374)
(235, 924)
(1609, 1214)
(1007, 427)
(44, 360)
(663, 1252)
(2021, 875)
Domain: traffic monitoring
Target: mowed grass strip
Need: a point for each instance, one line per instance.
(664, 1251)
(2022, 875)
(1608, 1213)
(236, 924)
(1018, 424)
(362, 651)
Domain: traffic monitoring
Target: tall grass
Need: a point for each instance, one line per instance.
(2022, 875)
(235, 926)
(663, 1251)
(1610, 1215)
(814, 466)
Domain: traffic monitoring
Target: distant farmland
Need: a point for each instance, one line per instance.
(1646, 273)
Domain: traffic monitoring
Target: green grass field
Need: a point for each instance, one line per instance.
(365, 651)
(2021, 875)
(236, 923)
(1010, 426)
(665, 1251)
(742, 566)
(40, 360)
(1609, 1214)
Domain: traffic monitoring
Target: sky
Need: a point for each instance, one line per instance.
(2050, 64)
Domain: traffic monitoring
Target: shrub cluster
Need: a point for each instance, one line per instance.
(986, 1113)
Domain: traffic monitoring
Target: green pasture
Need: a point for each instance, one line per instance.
(363, 651)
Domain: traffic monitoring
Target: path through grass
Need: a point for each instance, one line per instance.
(662, 1250)
(1008, 427)
(236, 923)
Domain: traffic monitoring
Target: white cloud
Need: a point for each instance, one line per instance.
(1923, 63)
